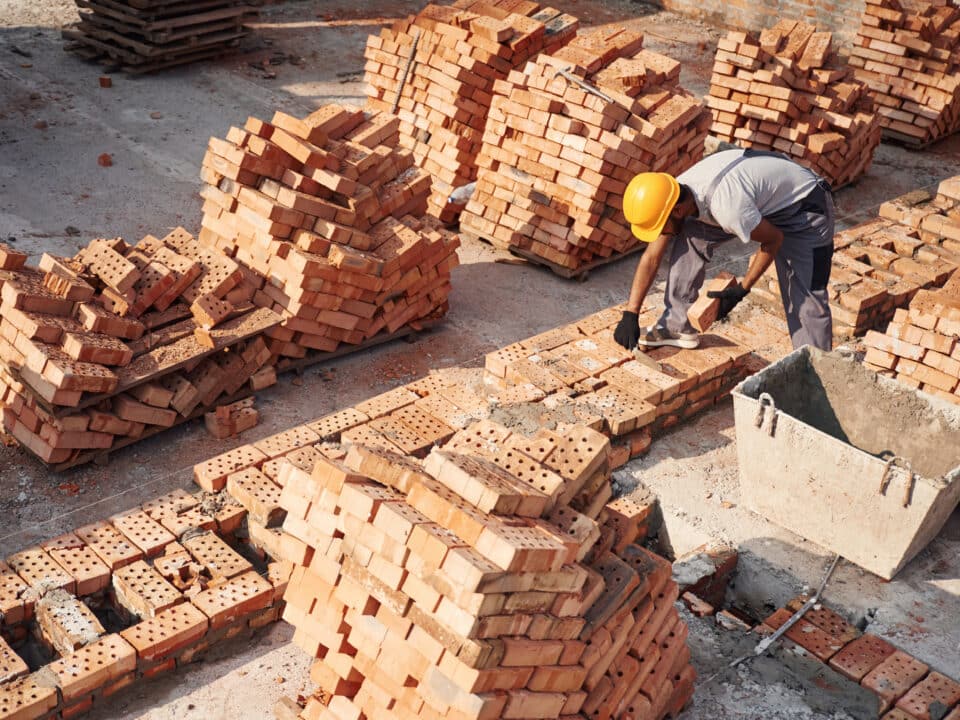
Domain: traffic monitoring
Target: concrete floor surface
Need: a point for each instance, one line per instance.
(55, 121)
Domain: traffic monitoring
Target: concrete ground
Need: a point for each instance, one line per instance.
(55, 121)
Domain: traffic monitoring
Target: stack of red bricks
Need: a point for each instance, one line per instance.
(880, 265)
(786, 91)
(906, 688)
(556, 159)
(92, 347)
(437, 70)
(485, 581)
(329, 210)
(906, 53)
(920, 347)
(166, 577)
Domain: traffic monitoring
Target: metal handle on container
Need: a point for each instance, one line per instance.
(903, 464)
(763, 402)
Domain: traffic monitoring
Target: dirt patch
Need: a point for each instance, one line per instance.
(845, 400)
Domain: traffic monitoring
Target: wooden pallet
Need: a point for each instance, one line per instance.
(101, 456)
(581, 273)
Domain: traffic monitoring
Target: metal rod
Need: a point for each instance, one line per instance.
(406, 71)
(584, 85)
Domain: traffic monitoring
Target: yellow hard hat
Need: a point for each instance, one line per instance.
(647, 203)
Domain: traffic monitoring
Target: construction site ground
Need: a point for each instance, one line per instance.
(55, 120)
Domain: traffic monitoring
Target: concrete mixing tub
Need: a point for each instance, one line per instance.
(853, 461)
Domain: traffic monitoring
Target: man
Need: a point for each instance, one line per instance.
(756, 197)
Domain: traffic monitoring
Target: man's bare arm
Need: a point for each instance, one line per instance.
(647, 271)
(770, 238)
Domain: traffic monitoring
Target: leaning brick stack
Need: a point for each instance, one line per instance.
(484, 581)
(99, 350)
(443, 94)
(786, 91)
(330, 211)
(920, 347)
(556, 159)
(119, 601)
(908, 54)
(880, 265)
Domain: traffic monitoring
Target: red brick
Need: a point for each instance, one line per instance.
(935, 688)
(861, 656)
(26, 699)
(167, 633)
(93, 666)
(892, 678)
(238, 596)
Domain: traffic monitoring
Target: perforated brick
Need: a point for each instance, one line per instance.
(66, 622)
(167, 633)
(530, 472)
(282, 443)
(93, 666)
(257, 493)
(26, 698)
(143, 591)
(401, 435)
(212, 474)
(894, 676)
(238, 596)
(219, 558)
(387, 402)
(827, 620)
(935, 690)
(861, 656)
(192, 519)
(11, 665)
(89, 572)
(171, 503)
(109, 544)
(330, 426)
(16, 604)
(537, 447)
(145, 533)
(38, 569)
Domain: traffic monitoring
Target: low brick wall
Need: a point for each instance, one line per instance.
(841, 17)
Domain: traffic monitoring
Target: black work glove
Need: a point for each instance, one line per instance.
(628, 330)
(729, 298)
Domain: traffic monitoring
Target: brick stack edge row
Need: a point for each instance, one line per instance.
(556, 159)
(880, 265)
(908, 54)
(113, 602)
(120, 341)
(786, 91)
(442, 63)
(331, 212)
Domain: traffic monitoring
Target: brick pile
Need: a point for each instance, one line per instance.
(556, 159)
(919, 347)
(120, 601)
(330, 211)
(443, 99)
(906, 688)
(907, 54)
(147, 36)
(118, 342)
(786, 91)
(880, 265)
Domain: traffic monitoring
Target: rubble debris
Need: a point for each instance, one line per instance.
(785, 90)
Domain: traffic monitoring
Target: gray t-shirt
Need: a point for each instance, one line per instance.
(756, 188)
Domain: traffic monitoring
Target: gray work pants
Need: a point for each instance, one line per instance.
(803, 270)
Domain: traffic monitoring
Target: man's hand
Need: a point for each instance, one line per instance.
(729, 299)
(628, 330)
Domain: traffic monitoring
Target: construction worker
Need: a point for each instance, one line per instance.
(756, 197)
